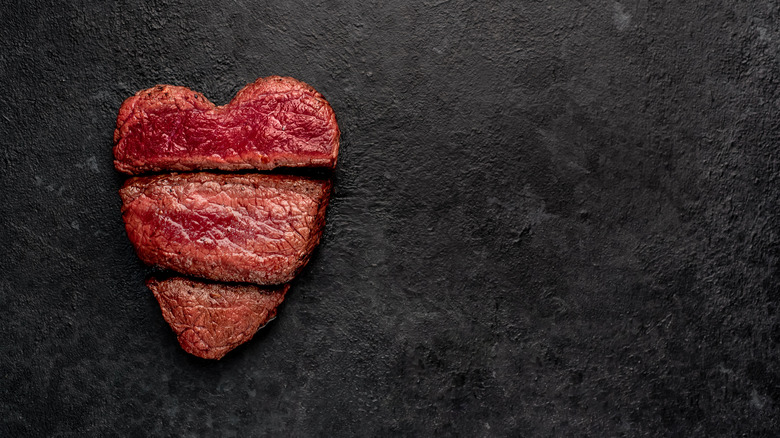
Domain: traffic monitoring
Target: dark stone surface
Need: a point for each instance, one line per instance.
(551, 219)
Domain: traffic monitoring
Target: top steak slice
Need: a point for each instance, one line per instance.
(251, 228)
(211, 319)
(273, 122)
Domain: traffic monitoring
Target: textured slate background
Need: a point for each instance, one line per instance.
(551, 218)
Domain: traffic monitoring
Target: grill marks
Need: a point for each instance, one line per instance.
(249, 228)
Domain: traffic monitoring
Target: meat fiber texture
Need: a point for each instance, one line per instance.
(253, 228)
(211, 319)
(273, 122)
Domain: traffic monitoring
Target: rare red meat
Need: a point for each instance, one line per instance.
(211, 319)
(272, 122)
(250, 228)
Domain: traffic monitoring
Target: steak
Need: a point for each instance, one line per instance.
(252, 228)
(273, 122)
(211, 319)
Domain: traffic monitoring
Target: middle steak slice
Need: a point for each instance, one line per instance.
(251, 228)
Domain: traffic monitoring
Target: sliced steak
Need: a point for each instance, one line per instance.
(211, 319)
(271, 123)
(249, 228)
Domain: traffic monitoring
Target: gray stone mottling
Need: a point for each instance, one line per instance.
(550, 219)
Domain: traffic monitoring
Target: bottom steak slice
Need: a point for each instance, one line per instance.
(210, 319)
(251, 228)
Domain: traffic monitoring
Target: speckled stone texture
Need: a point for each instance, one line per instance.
(549, 219)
